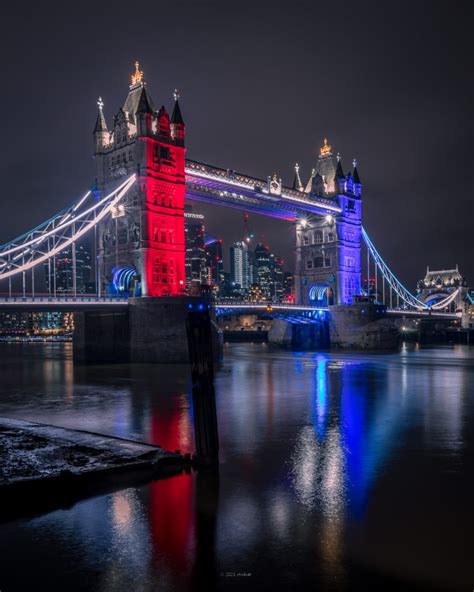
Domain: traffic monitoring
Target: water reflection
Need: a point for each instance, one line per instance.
(320, 458)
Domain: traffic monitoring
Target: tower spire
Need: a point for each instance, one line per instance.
(297, 184)
(355, 173)
(177, 121)
(176, 116)
(100, 124)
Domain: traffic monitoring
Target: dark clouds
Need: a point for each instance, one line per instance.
(261, 85)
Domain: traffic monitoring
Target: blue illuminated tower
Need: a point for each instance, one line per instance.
(328, 266)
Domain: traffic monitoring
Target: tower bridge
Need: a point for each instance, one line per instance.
(135, 214)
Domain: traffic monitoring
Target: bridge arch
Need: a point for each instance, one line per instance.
(434, 298)
(321, 294)
(124, 280)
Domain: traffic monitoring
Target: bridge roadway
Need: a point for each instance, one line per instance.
(45, 303)
(214, 185)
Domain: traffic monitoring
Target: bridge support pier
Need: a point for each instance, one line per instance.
(153, 330)
(307, 336)
(363, 326)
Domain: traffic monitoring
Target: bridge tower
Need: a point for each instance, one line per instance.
(141, 249)
(328, 265)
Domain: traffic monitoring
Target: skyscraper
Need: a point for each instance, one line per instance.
(263, 269)
(239, 266)
(214, 262)
(196, 257)
(276, 290)
(288, 287)
(59, 272)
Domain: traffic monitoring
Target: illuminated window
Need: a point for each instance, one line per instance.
(318, 236)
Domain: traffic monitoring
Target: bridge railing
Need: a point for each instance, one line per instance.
(46, 299)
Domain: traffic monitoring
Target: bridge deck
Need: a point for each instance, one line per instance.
(93, 302)
(61, 304)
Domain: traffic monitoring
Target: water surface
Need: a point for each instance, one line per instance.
(338, 471)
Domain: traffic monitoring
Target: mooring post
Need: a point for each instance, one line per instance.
(199, 332)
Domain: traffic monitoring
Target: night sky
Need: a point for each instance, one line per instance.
(261, 85)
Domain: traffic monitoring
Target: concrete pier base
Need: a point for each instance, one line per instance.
(363, 326)
(309, 336)
(151, 330)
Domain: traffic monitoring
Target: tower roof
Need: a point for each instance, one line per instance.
(145, 104)
(339, 171)
(176, 116)
(355, 175)
(162, 112)
(138, 101)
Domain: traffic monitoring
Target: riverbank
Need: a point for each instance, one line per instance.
(45, 464)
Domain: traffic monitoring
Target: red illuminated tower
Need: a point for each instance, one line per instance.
(141, 249)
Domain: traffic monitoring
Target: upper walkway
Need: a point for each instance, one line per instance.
(226, 187)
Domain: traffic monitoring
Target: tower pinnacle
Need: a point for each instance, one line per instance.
(325, 150)
(297, 184)
(100, 124)
(176, 117)
(138, 75)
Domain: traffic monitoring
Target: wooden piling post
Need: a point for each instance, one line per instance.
(199, 332)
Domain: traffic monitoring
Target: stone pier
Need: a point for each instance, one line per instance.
(310, 336)
(362, 326)
(151, 330)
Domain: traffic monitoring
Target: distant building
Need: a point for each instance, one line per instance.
(215, 263)
(264, 269)
(36, 323)
(196, 256)
(440, 284)
(239, 267)
(288, 286)
(62, 282)
(276, 289)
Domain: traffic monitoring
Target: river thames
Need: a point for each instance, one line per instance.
(337, 471)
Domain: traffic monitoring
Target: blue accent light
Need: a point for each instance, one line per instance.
(122, 279)
(319, 294)
(190, 306)
(201, 306)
